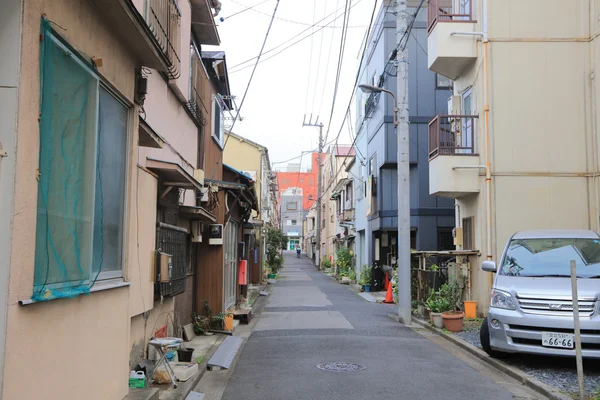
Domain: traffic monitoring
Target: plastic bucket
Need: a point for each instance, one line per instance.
(228, 322)
(185, 355)
(470, 309)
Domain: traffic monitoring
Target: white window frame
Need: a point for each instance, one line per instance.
(221, 115)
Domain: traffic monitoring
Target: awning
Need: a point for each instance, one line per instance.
(204, 27)
(149, 138)
(197, 214)
(172, 175)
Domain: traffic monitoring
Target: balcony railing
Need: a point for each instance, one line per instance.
(164, 20)
(443, 11)
(195, 105)
(452, 135)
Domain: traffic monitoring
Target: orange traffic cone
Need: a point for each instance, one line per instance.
(389, 296)
(386, 283)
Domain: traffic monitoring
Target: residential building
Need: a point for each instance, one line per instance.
(110, 133)
(310, 235)
(292, 216)
(252, 159)
(509, 164)
(432, 217)
(334, 176)
(305, 180)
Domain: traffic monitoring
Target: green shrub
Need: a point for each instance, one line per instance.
(325, 263)
(365, 275)
(344, 261)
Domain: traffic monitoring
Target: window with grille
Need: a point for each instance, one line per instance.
(468, 233)
(445, 240)
(173, 240)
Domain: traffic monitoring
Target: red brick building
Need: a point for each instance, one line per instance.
(307, 181)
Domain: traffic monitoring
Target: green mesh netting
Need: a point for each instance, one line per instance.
(69, 232)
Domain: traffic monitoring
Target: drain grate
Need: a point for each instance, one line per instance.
(339, 366)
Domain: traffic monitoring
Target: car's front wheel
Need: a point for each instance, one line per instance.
(484, 337)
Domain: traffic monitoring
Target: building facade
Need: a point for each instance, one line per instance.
(292, 216)
(253, 159)
(110, 133)
(498, 149)
(432, 217)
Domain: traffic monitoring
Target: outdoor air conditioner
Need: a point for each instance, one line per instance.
(215, 234)
(203, 195)
(196, 230)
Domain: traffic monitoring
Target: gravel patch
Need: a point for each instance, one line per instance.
(560, 373)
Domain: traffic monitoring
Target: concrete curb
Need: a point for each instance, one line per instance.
(513, 372)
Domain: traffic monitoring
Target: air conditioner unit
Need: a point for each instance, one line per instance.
(215, 234)
(203, 195)
(199, 175)
(165, 267)
(196, 228)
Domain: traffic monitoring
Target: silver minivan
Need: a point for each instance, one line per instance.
(531, 309)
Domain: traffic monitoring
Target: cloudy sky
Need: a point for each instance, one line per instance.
(297, 81)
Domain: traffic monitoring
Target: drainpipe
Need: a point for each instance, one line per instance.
(486, 110)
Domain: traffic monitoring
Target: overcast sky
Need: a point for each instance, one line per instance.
(277, 99)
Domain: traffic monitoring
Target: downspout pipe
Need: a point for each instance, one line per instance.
(486, 111)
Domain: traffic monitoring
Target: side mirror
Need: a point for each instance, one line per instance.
(488, 266)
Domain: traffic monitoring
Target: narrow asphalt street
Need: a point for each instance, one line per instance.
(309, 319)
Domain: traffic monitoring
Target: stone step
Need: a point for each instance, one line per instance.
(142, 394)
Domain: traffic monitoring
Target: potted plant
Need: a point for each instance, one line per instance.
(436, 304)
(453, 317)
(365, 278)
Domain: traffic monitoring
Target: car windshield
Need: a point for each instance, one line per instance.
(552, 258)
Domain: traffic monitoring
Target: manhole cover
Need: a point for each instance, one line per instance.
(339, 366)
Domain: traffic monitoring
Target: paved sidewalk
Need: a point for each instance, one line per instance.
(310, 319)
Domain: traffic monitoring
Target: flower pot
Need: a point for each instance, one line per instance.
(437, 320)
(453, 320)
(272, 276)
(362, 288)
(367, 288)
(470, 309)
(185, 355)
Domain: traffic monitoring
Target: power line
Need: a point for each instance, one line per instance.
(312, 39)
(312, 104)
(295, 22)
(353, 93)
(247, 87)
(339, 68)
(292, 38)
(245, 9)
(328, 59)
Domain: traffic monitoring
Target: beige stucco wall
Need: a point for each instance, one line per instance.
(161, 314)
(543, 116)
(142, 231)
(94, 329)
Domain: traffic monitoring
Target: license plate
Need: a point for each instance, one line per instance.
(553, 339)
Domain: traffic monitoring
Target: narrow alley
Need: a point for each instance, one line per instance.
(309, 320)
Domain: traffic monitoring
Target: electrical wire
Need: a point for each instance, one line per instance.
(312, 37)
(339, 68)
(297, 22)
(291, 39)
(328, 60)
(247, 88)
(319, 64)
(358, 73)
(245, 9)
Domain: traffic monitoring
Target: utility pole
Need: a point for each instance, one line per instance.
(404, 273)
(319, 186)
